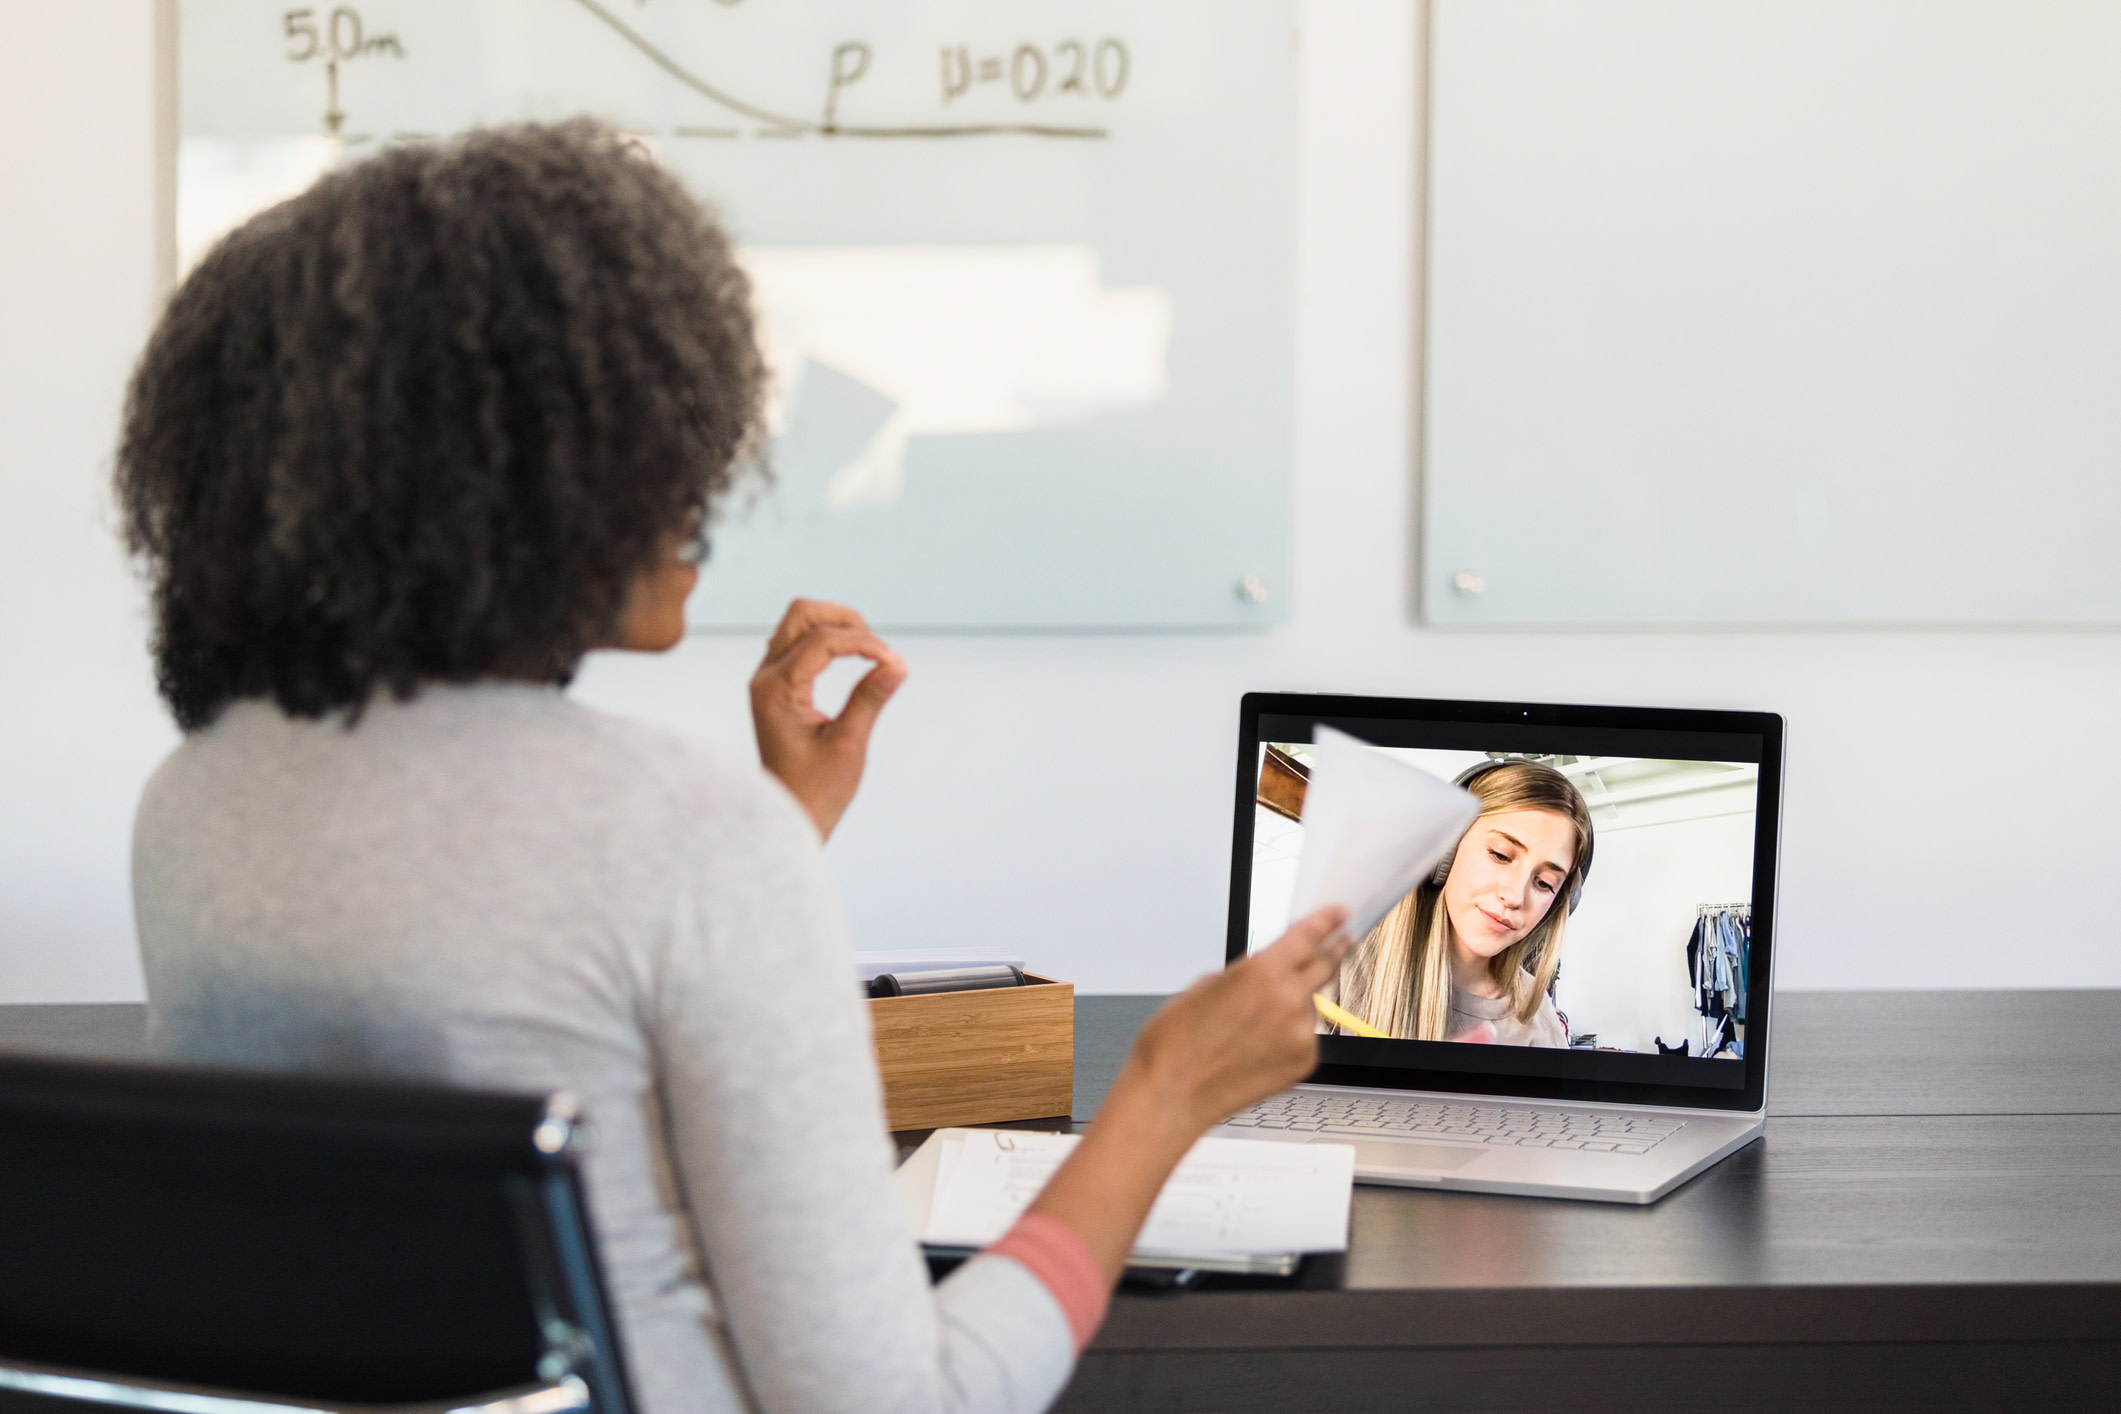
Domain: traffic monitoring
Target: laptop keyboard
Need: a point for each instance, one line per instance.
(1375, 1117)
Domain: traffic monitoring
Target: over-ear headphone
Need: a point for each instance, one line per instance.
(1464, 781)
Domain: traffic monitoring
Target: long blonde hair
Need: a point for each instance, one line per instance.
(1398, 978)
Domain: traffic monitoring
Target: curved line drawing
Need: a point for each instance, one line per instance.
(787, 126)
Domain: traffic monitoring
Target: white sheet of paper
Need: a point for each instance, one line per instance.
(1226, 1196)
(1373, 826)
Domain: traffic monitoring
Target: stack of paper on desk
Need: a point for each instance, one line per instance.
(1373, 827)
(1232, 1205)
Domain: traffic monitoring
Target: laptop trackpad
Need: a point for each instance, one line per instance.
(1373, 1156)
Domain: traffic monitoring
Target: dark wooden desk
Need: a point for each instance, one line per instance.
(1933, 1221)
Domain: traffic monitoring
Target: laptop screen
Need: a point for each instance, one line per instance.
(1603, 930)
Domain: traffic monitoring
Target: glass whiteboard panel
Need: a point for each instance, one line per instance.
(1025, 272)
(1774, 311)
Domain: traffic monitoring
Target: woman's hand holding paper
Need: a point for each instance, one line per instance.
(1246, 1032)
(1230, 1039)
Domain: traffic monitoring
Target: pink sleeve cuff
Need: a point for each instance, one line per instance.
(1050, 1250)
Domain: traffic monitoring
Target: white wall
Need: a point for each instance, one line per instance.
(1623, 968)
(79, 724)
(1069, 797)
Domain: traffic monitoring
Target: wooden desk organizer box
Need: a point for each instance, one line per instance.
(977, 1057)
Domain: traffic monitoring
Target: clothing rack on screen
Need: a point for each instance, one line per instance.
(1719, 955)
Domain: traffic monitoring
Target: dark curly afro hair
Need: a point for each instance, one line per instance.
(430, 419)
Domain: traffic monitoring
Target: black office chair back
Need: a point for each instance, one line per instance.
(169, 1235)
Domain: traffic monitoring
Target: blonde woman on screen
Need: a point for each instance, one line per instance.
(1471, 954)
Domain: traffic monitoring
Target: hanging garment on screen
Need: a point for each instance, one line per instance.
(1719, 956)
(1700, 969)
(1737, 930)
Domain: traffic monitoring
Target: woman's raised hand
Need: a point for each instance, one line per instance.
(1246, 1032)
(819, 758)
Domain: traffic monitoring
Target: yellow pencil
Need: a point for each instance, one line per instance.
(1346, 1020)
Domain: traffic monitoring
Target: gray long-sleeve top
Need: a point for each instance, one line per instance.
(494, 886)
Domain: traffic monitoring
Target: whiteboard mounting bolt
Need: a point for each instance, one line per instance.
(1468, 583)
(1252, 589)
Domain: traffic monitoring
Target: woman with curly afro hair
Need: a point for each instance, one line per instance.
(402, 451)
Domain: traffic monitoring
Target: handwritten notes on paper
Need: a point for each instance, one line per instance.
(1227, 1196)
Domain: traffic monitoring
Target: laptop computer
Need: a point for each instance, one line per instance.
(1575, 1002)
